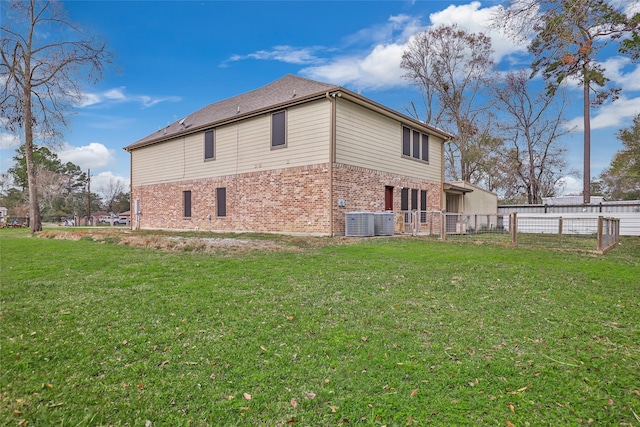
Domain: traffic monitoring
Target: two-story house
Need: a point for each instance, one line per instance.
(291, 157)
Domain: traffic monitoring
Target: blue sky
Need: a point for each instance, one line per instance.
(175, 57)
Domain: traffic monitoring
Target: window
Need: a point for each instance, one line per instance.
(406, 141)
(415, 144)
(221, 201)
(209, 151)
(279, 129)
(414, 199)
(425, 147)
(404, 199)
(423, 206)
(186, 203)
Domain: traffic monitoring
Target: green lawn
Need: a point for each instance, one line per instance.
(396, 332)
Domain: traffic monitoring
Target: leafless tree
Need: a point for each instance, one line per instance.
(111, 191)
(44, 57)
(453, 69)
(566, 37)
(532, 127)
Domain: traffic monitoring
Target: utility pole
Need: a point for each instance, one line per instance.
(88, 196)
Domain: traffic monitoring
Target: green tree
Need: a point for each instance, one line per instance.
(121, 203)
(621, 180)
(43, 60)
(45, 160)
(568, 34)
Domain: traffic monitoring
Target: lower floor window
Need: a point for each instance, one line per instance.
(186, 203)
(414, 198)
(221, 201)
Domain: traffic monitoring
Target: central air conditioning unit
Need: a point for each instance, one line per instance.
(383, 223)
(359, 224)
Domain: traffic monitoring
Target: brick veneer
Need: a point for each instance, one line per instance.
(364, 190)
(293, 200)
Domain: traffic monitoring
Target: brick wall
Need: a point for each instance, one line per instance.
(293, 200)
(364, 190)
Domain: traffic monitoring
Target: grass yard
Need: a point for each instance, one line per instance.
(317, 332)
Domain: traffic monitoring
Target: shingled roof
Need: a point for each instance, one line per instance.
(286, 90)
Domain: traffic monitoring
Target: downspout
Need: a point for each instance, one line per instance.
(443, 196)
(332, 153)
(132, 225)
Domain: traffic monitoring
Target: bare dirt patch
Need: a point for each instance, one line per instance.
(194, 242)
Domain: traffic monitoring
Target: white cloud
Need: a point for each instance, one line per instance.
(622, 72)
(475, 19)
(614, 114)
(117, 95)
(103, 180)
(572, 185)
(92, 156)
(380, 68)
(398, 28)
(288, 54)
(630, 7)
(9, 141)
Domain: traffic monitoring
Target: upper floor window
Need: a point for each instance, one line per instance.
(279, 129)
(415, 144)
(209, 145)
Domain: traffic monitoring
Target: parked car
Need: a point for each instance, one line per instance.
(117, 220)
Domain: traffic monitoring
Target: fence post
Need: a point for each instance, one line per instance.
(560, 227)
(514, 229)
(443, 226)
(600, 240)
(430, 219)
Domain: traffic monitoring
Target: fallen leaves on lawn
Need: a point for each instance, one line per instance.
(247, 396)
(520, 390)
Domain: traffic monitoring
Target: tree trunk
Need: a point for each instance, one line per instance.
(586, 185)
(35, 221)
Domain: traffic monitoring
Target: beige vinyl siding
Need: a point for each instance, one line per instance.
(157, 163)
(240, 147)
(368, 139)
(479, 201)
